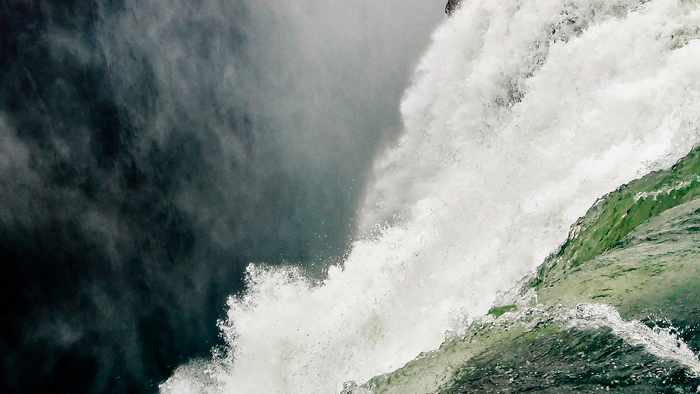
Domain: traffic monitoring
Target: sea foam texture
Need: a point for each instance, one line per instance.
(521, 114)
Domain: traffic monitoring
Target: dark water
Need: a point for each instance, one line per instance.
(148, 152)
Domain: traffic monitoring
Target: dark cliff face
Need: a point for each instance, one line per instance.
(136, 181)
(149, 150)
(108, 280)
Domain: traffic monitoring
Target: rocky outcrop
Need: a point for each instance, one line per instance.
(451, 6)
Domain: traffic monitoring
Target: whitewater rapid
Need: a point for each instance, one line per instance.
(521, 114)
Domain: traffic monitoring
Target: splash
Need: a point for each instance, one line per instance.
(521, 114)
(661, 342)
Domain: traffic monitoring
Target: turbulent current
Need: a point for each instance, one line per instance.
(520, 115)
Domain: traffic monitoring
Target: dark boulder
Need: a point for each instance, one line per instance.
(451, 6)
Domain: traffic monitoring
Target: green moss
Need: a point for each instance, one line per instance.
(614, 216)
(498, 311)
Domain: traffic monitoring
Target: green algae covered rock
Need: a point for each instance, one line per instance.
(637, 249)
(616, 308)
(652, 275)
(618, 213)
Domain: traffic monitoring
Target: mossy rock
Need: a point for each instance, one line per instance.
(637, 250)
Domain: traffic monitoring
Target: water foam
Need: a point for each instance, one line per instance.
(521, 114)
(661, 342)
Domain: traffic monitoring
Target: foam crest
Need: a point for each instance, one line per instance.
(521, 114)
(661, 342)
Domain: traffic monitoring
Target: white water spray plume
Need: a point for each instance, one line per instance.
(520, 115)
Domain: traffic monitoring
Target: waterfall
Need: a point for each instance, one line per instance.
(519, 116)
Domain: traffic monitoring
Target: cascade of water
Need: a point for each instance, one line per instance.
(522, 113)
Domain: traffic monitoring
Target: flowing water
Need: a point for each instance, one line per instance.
(521, 114)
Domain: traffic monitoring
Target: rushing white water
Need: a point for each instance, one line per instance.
(522, 113)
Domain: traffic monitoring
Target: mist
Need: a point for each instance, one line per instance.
(150, 150)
